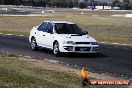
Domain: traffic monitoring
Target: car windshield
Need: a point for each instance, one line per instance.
(64, 28)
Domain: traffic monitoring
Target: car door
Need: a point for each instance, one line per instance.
(40, 34)
(49, 35)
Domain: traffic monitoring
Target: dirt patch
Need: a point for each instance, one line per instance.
(52, 65)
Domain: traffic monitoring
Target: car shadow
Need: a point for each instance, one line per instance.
(83, 55)
(76, 55)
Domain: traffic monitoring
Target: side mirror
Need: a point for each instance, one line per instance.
(50, 31)
(35, 27)
(85, 32)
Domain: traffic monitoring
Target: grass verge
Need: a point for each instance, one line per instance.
(15, 73)
(103, 29)
(18, 73)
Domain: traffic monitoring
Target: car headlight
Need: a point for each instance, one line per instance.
(69, 42)
(93, 43)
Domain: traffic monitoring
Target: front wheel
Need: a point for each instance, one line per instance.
(56, 50)
(34, 44)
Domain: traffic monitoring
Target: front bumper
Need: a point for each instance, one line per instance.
(79, 48)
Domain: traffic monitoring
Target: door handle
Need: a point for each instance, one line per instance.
(43, 35)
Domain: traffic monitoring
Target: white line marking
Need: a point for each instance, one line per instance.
(99, 42)
(9, 34)
(21, 35)
(14, 34)
(54, 61)
(27, 57)
(116, 43)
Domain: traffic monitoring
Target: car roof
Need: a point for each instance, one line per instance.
(60, 22)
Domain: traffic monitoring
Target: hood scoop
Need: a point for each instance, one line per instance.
(77, 35)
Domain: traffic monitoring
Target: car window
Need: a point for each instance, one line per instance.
(60, 28)
(49, 26)
(63, 28)
(42, 27)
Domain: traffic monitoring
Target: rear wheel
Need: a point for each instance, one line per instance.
(56, 50)
(34, 44)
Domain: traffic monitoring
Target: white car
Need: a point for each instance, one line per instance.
(62, 36)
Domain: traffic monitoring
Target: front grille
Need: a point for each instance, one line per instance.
(82, 48)
(82, 42)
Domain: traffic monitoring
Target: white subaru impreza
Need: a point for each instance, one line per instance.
(62, 36)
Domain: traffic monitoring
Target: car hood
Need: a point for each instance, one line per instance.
(76, 38)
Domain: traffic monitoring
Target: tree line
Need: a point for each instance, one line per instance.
(67, 3)
(43, 3)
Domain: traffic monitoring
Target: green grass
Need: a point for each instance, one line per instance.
(103, 29)
(17, 73)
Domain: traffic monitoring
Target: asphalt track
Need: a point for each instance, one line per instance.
(115, 59)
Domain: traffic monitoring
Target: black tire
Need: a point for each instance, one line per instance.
(34, 44)
(56, 50)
